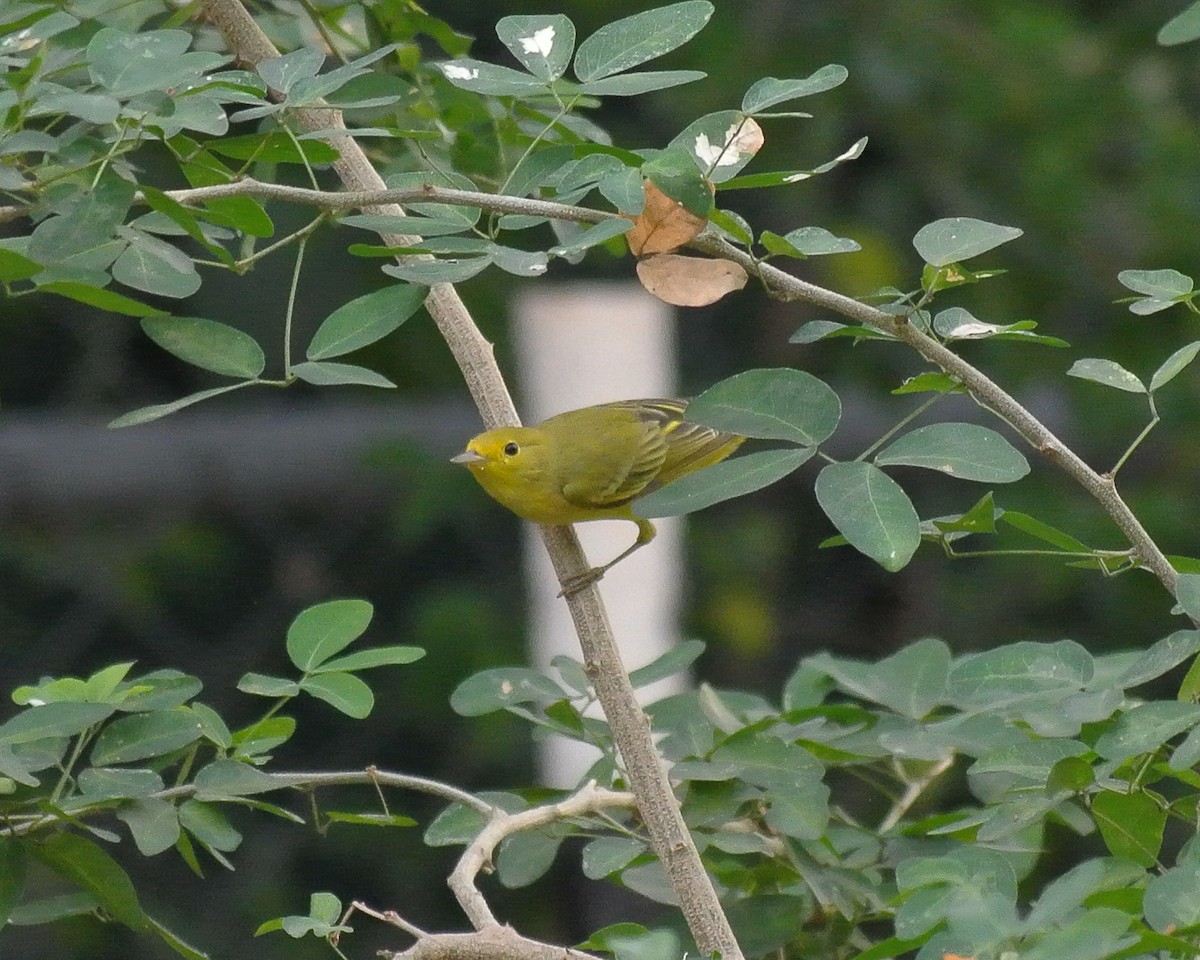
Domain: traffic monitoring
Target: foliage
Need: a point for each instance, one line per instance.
(506, 168)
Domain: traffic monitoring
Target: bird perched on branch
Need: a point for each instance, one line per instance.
(593, 464)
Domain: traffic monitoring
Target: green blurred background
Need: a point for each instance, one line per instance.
(193, 542)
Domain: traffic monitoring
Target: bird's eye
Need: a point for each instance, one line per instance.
(511, 449)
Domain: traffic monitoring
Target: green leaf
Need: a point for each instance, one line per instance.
(1106, 372)
(617, 46)
(525, 857)
(1096, 932)
(1131, 825)
(1172, 899)
(51, 909)
(370, 819)
(634, 84)
(675, 173)
(261, 685)
(12, 876)
(375, 657)
(91, 869)
(677, 659)
(155, 267)
(503, 687)
(326, 373)
(342, 691)
(606, 855)
(807, 242)
(1146, 727)
(959, 238)
(1166, 654)
(208, 825)
(1157, 284)
(159, 410)
(487, 78)
(127, 64)
(118, 783)
(282, 73)
(769, 91)
(222, 779)
(408, 226)
(995, 678)
(722, 481)
(593, 236)
(14, 266)
(1043, 531)
(770, 404)
(143, 735)
(442, 270)
(208, 345)
(871, 511)
(265, 735)
(153, 823)
(712, 142)
(100, 298)
(1187, 593)
(1181, 28)
(53, 720)
(1174, 364)
(543, 44)
(325, 629)
(365, 320)
(963, 450)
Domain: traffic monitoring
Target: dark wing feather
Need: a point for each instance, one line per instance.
(670, 448)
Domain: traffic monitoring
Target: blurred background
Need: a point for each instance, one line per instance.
(192, 542)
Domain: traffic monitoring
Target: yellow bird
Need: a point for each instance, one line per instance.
(593, 463)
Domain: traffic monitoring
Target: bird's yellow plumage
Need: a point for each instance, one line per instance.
(593, 463)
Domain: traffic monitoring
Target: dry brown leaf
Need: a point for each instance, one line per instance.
(689, 281)
(663, 225)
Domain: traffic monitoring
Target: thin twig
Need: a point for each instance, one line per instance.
(478, 855)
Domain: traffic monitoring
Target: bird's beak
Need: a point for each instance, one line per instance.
(466, 458)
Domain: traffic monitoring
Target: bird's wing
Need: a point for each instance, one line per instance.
(690, 446)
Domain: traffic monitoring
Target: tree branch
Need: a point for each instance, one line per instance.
(478, 855)
(631, 731)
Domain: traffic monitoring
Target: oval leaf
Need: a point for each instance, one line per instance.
(325, 629)
(342, 691)
(617, 46)
(960, 238)
(871, 511)
(769, 91)
(325, 373)
(543, 44)
(963, 450)
(770, 404)
(502, 687)
(365, 320)
(722, 481)
(1174, 364)
(1106, 372)
(207, 344)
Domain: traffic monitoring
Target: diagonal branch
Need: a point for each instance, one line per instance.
(631, 729)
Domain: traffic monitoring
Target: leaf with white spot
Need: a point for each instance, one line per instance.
(543, 44)
(488, 78)
(1106, 372)
(721, 143)
(964, 450)
(959, 238)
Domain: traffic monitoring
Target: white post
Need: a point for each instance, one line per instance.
(579, 344)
